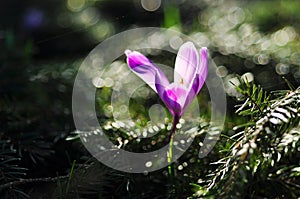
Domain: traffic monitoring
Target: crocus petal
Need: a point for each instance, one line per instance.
(191, 93)
(202, 68)
(199, 78)
(172, 105)
(174, 97)
(186, 64)
(144, 68)
(160, 85)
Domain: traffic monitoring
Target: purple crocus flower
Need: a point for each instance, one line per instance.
(189, 77)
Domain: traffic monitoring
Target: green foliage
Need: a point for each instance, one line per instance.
(172, 16)
(287, 11)
(264, 151)
(10, 171)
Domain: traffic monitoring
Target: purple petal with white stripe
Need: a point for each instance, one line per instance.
(144, 68)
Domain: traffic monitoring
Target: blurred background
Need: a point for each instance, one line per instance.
(43, 44)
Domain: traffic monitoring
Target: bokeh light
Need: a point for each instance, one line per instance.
(75, 5)
(33, 18)
(151, 5)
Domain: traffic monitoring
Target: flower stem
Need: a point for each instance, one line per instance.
(170, 152)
